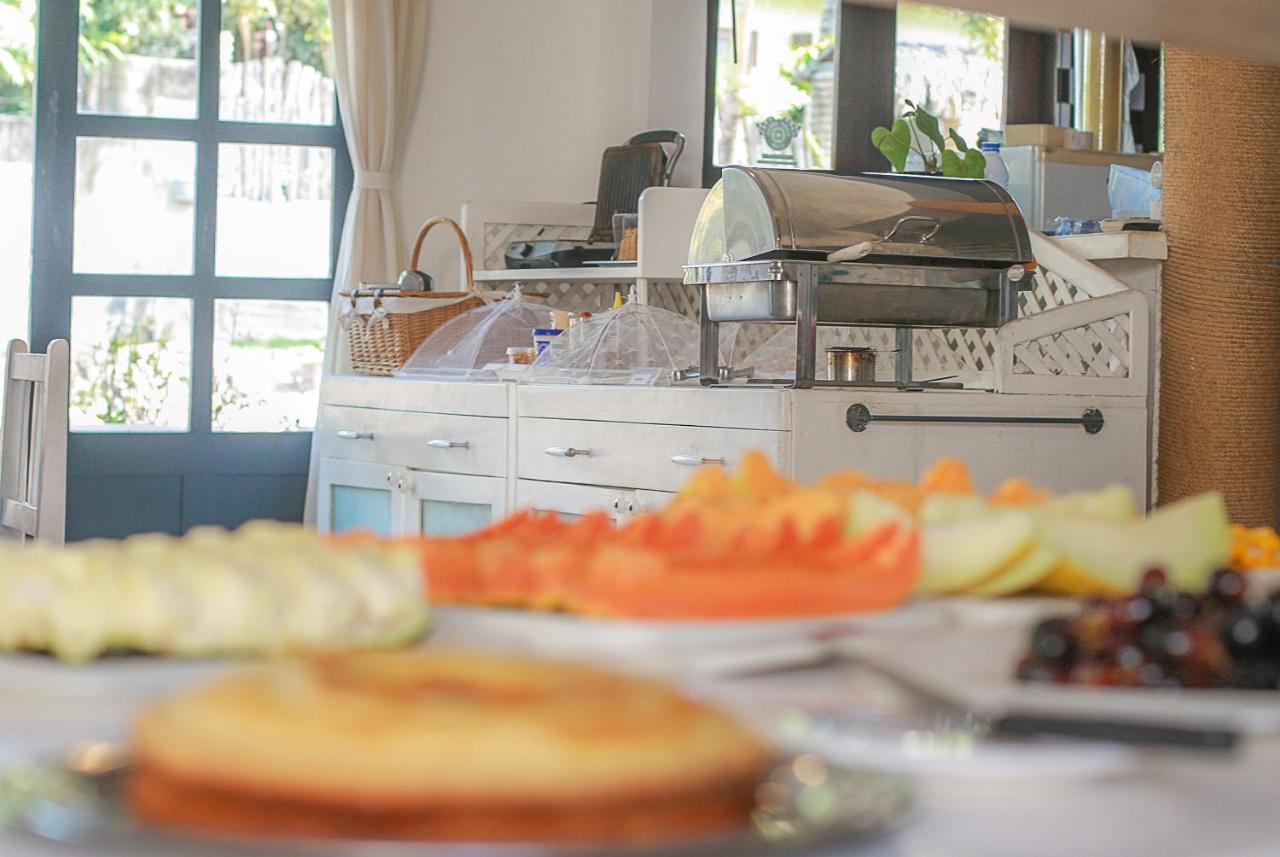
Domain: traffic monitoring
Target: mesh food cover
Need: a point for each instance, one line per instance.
(462, 347)
(634, 344)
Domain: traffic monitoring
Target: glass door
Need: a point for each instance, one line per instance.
(191, 177)
(17, 155)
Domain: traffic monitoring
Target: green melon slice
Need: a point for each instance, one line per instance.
(1188, 539)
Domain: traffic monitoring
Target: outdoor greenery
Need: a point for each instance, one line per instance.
(273, 342)
(294, 29)
(985, 32)
(17, 55)
(123, 380)
(110, 29)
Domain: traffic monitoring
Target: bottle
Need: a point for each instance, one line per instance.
(996, 170)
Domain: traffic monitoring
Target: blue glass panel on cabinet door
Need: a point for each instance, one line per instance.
(360, 509)
(449, 518)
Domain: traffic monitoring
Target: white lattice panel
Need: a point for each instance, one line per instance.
(677, 297)
(1096, 350)
(1100, 349)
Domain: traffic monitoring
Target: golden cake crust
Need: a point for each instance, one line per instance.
(403, 740)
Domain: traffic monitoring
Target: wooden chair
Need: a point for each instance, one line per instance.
(33, 449)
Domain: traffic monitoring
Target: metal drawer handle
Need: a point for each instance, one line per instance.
(566, 451)
(694, 460)
(858, 417)
(449, 444)
(348, 434)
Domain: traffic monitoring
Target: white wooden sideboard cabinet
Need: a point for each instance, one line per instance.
(406, 457)
(400, 457)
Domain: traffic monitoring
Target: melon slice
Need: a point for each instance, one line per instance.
(1112, 503)
(1024, 572)
(959, 555)
(944, 508)
(868, 510)
(1188, 539)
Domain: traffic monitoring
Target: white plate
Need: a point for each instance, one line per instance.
(975, 670)
(57, 801)
(118, 677)
(678, 647)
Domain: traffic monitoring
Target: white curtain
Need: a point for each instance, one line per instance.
(378, 48)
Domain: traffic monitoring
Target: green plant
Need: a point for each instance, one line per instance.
(17, 55)
(909, 134)
(227, 399)
(123, 381)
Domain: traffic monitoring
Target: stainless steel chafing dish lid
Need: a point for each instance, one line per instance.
(756, 213)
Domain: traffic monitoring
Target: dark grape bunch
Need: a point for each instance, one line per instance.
(1160, 637)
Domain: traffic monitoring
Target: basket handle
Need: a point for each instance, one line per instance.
(462, 242)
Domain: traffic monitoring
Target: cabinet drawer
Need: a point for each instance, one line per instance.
(634, 455)
(415, 440)
(568, 501)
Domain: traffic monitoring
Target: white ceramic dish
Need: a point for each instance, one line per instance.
(688, 649)
(73, 804)
(975, 668)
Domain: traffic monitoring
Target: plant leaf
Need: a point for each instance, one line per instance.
(927, 123)
(951, 163)
(878, 134)
(974, 165)
(895, 150)
(902, 131)
(957, 139)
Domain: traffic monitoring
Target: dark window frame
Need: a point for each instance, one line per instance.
(864, 95)
(199, 454)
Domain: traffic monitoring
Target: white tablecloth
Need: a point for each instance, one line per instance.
(1167, 805)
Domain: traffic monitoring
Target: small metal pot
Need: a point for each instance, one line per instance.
(851, 365)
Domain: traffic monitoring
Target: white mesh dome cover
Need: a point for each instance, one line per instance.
(634, 344)
(463, 346)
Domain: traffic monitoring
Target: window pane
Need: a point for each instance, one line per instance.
(17, 149)
(266, 364)
(952, 63)
(134, 206)
(130, 363)
(774, 105)
(274, 210)
(138, 57)
(277, 62)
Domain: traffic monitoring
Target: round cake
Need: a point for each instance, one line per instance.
(442, 745)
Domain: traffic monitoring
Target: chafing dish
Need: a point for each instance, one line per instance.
(813, 248)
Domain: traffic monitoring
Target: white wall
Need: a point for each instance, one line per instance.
(521, 97)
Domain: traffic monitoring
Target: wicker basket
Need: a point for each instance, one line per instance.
(386, 324)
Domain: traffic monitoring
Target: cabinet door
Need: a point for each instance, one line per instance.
(356, 495)
(445, 504)
(570, 501)
(650, 501)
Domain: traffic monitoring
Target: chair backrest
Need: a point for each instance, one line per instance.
(33, 447)
(673, 139)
